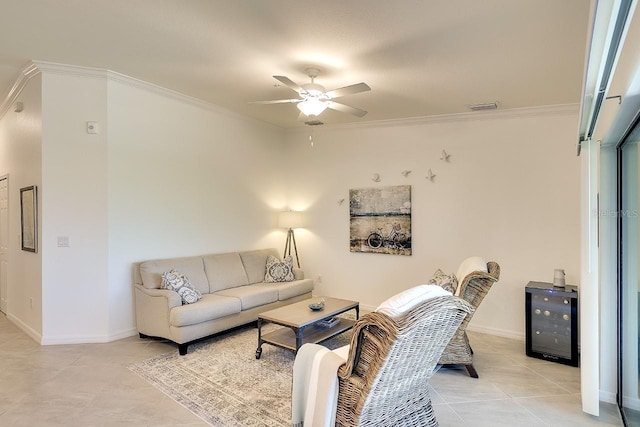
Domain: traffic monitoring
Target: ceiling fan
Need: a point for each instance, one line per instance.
(314, 98)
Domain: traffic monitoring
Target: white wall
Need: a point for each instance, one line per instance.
(168, 176)
(165, 176)
(510, 193)
(185, 178)
(20, 158)
(74, 204)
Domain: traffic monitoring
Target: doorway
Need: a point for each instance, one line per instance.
(4, 240)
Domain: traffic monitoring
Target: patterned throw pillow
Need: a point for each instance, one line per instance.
(178, 282)
(279, 271)
(448, 282)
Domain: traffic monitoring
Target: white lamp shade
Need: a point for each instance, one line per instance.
(291, 219)
(312, 107)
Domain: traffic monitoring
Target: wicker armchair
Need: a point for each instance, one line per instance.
(473, 289)
(384, 380)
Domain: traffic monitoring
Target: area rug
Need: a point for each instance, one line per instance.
(221, 381)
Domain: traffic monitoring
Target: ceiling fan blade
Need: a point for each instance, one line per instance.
(289, 83)
(348, 90)
(277, 101)
(346, 109)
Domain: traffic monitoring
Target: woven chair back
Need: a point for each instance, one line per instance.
(385, 381)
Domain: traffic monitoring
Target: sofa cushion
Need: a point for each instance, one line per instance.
(208, 308)
(291, 289)
(192, 267)
(251, 295)
(255, 263)
(224, 271)
(279, 271)
(176, 281)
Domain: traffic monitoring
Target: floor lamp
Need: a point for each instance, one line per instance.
(291, 220)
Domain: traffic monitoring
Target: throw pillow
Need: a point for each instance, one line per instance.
(279, 271)
(178, 282)
(406, 300)
(448, 282)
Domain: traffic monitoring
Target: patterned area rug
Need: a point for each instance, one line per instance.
(221, 381)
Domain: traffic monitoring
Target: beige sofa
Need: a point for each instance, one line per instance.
(233, 294)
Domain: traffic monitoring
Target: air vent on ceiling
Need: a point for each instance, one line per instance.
(482, 107)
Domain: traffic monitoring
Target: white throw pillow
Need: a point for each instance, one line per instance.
(279, 271)
(178, 282)
(406, 300)
(469, 265)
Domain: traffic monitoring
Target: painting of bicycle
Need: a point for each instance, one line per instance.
(380, 220)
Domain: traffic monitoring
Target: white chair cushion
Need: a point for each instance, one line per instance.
(343, 351)
(469, 265)
(406, 300)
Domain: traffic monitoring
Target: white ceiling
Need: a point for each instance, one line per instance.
(420, 57)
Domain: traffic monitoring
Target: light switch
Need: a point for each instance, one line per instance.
(63, 241)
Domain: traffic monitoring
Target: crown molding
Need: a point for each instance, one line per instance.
(26, 74)
(38, 67)
(542, 111)
(71, 70)
(177, 96)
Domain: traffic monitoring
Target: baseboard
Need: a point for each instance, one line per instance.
(36, 336)
(126, 333)
(631, 403)
(608, 397)
(497, 332)
(87, 339)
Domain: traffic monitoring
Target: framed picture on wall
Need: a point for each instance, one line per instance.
(29, 218)
(380, 220)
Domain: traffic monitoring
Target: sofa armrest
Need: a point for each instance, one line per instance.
(298, 273)
(152, 310)
(173, 299)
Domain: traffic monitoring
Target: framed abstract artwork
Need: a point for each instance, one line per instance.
(29, 218)
(380, 220)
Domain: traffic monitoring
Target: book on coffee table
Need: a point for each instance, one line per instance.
(327, 323)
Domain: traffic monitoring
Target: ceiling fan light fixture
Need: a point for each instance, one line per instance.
(313, 89)
(312, 107)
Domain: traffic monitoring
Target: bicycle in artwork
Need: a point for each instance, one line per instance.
(396, 239)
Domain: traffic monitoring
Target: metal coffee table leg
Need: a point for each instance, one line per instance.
(260, 342)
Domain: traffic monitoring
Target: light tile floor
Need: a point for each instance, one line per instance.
(513, 390)
(90, 385)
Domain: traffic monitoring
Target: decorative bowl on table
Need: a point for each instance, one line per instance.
(317, 306)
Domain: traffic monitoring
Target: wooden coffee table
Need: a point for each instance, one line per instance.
(300, 323)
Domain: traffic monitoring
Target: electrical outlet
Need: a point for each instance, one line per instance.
(319, 278)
